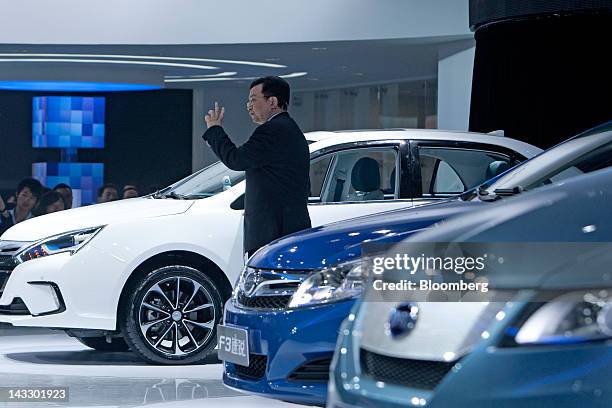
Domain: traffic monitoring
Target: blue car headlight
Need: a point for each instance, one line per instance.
(333, 284)
(67, 242)
(574, 317)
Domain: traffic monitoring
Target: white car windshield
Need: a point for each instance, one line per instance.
(204, 183)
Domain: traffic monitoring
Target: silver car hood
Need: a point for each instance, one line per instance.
(444, 331)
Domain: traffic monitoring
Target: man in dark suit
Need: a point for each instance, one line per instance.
(275, 159)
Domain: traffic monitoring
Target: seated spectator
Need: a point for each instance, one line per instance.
(108, 192)
(130, 191)
(50, 202)
(28, 193)
(66, 192)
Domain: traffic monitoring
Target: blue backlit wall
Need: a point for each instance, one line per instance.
(84, 178)
(148, 138)
(68, 121)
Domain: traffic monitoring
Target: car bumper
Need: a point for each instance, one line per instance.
(64, 291)
(490, 376)
(293, 342)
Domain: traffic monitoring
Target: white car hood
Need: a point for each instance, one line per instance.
(94, 215)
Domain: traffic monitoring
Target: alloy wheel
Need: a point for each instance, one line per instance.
(177, 316)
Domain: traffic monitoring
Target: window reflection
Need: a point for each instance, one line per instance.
(398, 105)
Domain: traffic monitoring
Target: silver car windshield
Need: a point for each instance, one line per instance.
(583, 154)
(204, 183)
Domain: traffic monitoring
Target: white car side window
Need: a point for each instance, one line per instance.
(318, 170)
(363, 174)
(447, 179)
(451, 171)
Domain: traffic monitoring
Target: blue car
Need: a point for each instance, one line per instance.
(549, 344)
(293, 294)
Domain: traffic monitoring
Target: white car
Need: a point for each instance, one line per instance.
(153, 273)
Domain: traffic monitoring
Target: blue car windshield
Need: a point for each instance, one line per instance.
(584, 153)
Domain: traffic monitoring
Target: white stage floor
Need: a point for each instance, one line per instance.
(95, 379)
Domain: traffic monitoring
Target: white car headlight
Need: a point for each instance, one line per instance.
(574, 317)
(339, 282)
(67, 242)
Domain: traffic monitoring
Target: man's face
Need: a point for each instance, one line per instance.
(130, 193)
(109, 194)
(56, 206)
(259, 107)
(67, 194)
(26, 200)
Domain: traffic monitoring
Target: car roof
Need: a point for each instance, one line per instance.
(328, 139)
(319, 135)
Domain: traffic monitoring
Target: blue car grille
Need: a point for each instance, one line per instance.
(424, 375)
(256, 368)
(264, 302)
(312, 371)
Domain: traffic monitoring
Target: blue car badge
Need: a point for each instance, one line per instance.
(403, 319)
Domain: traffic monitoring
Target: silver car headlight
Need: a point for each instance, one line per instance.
(67, 242)
(574, 317)
(333, 284)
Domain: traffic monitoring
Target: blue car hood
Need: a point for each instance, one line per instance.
(329, 244)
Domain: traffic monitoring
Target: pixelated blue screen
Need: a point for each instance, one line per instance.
(68, 121)
(84, 178)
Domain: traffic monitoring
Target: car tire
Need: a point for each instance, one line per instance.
(100, 343)
(171, 316)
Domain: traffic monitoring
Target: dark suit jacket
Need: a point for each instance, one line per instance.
(276, 161)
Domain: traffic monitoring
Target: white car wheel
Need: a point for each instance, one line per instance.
(172, 316)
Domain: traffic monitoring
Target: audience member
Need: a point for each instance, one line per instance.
(28, 193)
(108, 192)
(130, 191)
(33, 199)
(66, 192)
(11, 201)
(51, 201)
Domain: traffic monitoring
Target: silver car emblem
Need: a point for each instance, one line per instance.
(403, 319)
(250, 282)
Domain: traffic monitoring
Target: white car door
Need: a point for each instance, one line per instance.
(356, 180)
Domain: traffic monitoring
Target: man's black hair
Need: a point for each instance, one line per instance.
(274, 86)
(50, 197)
(107, 185)
(62, 185)
(34, 185)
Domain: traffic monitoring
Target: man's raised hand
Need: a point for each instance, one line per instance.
(215, 117)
